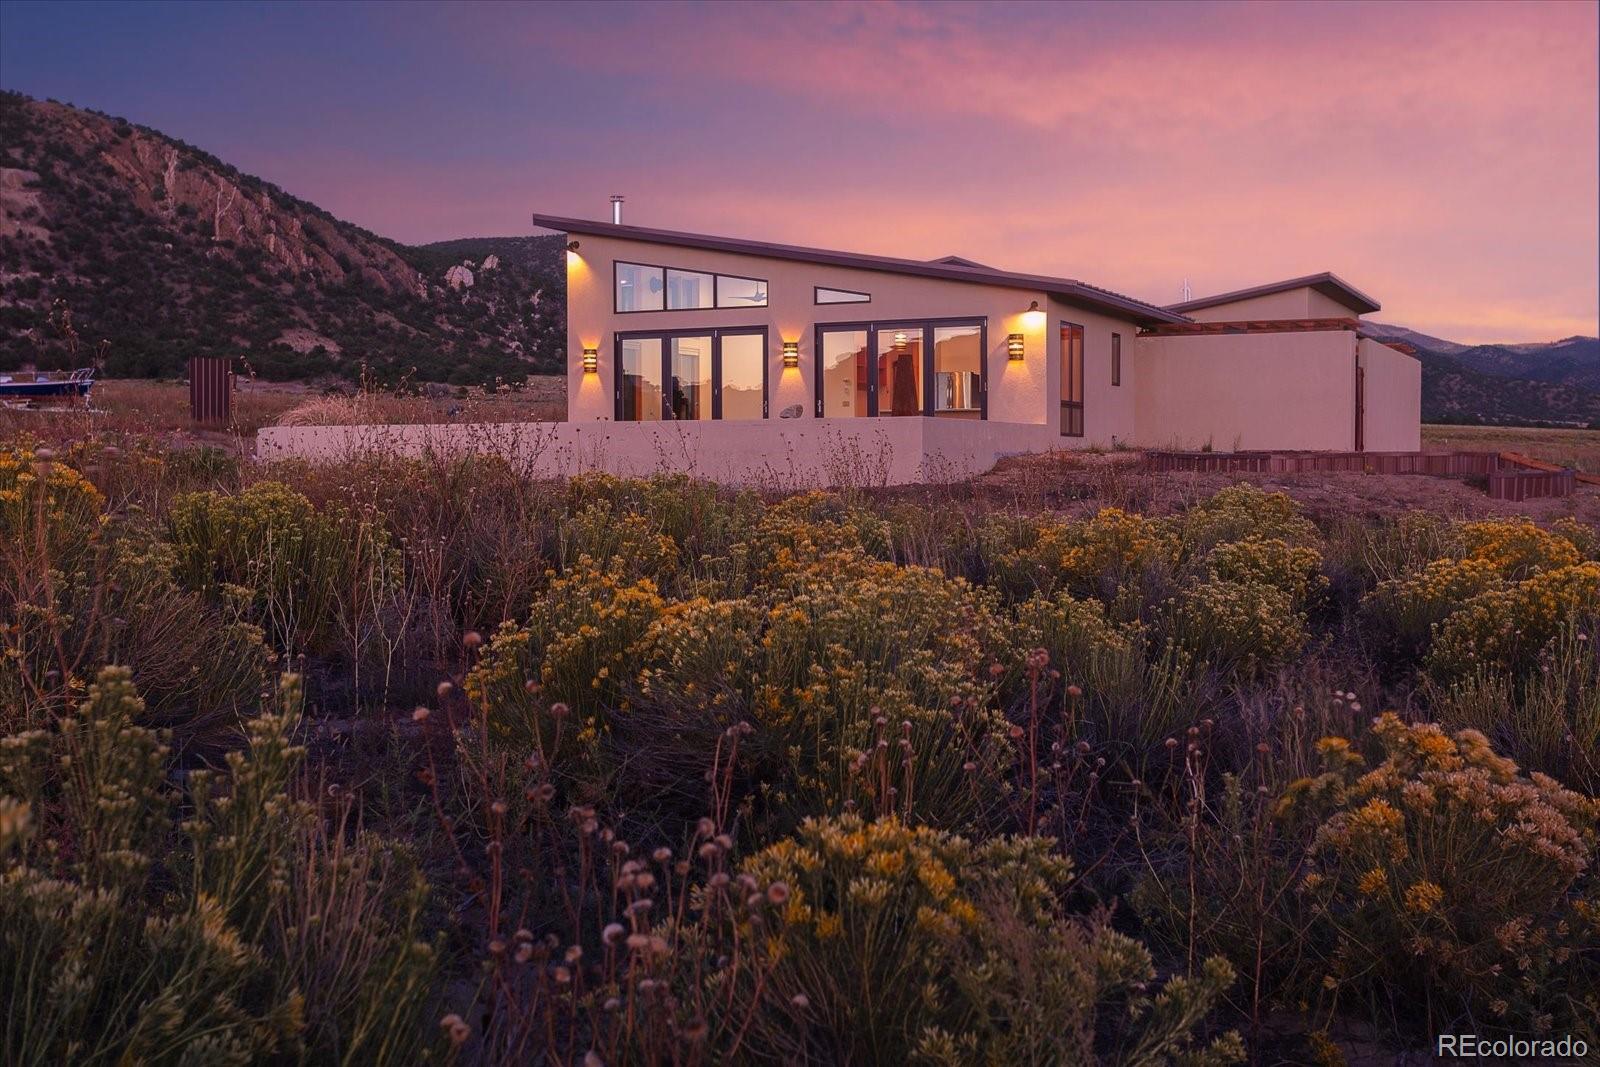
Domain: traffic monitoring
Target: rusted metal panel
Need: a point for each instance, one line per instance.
(1438, 464)
(1518, 485)
(211, 390)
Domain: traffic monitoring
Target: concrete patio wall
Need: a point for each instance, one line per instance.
(787, 454)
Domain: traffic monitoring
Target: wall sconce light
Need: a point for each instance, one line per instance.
(572, 246)
(791, 354)
(1014, 347)
(591, 360)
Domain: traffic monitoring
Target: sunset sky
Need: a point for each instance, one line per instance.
(1441, 157)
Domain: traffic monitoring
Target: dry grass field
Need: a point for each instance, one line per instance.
(154, 407)
(1578, 449)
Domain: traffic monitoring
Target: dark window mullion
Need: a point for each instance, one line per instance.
(716, 372)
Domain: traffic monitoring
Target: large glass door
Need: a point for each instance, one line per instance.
(931, 367)
(687, 375)
(742, 375)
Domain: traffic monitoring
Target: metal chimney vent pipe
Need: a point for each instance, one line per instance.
(616, 210)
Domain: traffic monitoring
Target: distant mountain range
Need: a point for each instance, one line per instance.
(123, 245)
(1551, 382)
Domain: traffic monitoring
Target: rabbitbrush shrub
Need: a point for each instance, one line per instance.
(226, 930)
(312, 578)
(1447, 881)
(906, 945)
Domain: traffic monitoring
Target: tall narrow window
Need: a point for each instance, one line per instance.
(743, 388)
(1071, 380)
(1116, 359)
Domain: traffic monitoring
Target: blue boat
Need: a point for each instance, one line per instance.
(74, 386)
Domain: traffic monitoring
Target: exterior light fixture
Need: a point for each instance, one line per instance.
(1031, 307)
(1014, 346)
(1034, 316)
(591, 360)
(572, 246)
(791, 354)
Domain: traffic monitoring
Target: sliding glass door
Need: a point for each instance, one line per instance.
(688, 375)
(929, 367)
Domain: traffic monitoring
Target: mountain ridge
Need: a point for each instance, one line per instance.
(117, 239)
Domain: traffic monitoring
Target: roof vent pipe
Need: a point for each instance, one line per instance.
(616, 210)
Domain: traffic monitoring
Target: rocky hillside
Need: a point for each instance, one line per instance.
(1554, 383)
(121, 244)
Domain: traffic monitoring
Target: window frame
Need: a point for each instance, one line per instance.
(817, 301)
(927, 326)
(616, 287)
(716, 333)
(1116, 359)
(716, 289)
(1083, 384)
(666, 288)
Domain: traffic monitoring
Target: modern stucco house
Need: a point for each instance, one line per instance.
(746, 361)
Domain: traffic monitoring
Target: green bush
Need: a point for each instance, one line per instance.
(314, 579)
(192, 941)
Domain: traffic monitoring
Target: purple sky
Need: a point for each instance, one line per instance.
(1442, 157)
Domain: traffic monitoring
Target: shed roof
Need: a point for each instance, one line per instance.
(1064, 288)
(1327, 283)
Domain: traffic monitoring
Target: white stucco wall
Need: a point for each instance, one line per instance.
(1393, 398)
(1249, 391)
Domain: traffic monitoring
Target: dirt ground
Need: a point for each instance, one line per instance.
(1079, 483)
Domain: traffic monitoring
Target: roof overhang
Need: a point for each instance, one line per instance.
(1068, 289)
(1327, 283)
